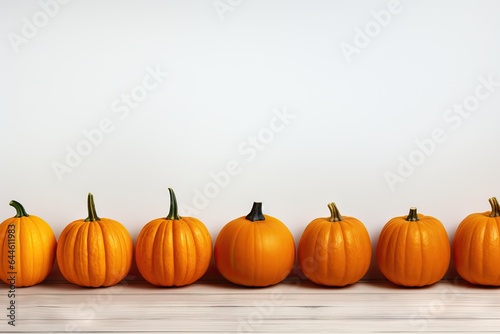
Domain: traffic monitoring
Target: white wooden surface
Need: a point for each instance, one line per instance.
(219, 307)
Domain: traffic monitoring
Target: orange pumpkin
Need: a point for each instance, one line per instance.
(27, 249)
(256, 250)
(94, 252)
(334, 251)
(476, 247)
(413, 250)
(173, 251)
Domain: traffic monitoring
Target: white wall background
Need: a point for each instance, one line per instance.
(230, 65)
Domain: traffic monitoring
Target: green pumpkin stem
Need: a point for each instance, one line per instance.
(91, 209)
(173, 214)
(413, 216)
(20, 212)
(335, 213)
(495, 207)
(256, 213)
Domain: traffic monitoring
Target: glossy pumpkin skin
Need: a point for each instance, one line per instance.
(173, 251)
(32, 246)
(413, 250)
(257, 250)
(335, 251)
(94, 252)
(476, 247)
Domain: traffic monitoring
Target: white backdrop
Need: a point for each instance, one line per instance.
(375, 105)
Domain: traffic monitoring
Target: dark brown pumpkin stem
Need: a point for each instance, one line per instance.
(495, 207)
(335, 213)
(256, 213)
(173, 214)
(20, 212)
(91, 209)
(412, 216)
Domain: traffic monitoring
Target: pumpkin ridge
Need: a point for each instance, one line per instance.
(486, 241)
(157, 264)
(191, 252)
(180, 249)
(100, 229)
(483, 257)
(124, 240)
(123, 249)
(87, 245)
(233, 260)
(150, 229)
(165, 231)
(318, 245)
(471, 255)
(41, 252)
(383, 243)
(438, 243)
(203, 240)
(422, 278)
(27, 254)
(255, 243)
(69, 245)
(406, 249)
(392, 248)
(344, 244)
(194, 247)
(34, 252)
(356, 242)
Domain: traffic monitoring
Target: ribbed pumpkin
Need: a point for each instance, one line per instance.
(476, 247)
(413, 250)
(256, 250)
(94, 252)
(173, 251)
(27, 248)
(335, 251)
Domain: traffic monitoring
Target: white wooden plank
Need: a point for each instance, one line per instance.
(365, 307)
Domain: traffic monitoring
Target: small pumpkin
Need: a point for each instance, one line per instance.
(413, 250)
(255, 250)
(173, 251)
(27, 248)
(334, 251)
(476, 247)
(94, 252)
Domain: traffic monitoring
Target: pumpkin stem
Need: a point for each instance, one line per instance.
(91, 209)
(413, 216)
(173, 214)
(495, 207)
(335, 213)
(20, 212)
(256, 213)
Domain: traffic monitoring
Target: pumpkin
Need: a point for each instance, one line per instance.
(173, 251)
(476, 247)
(256, 250)
(413, 250)
(94, 252)
(334, 251)
(27, 248)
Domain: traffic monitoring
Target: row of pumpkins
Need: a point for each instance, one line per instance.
(253, 250)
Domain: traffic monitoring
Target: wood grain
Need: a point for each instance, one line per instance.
(220, 307)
